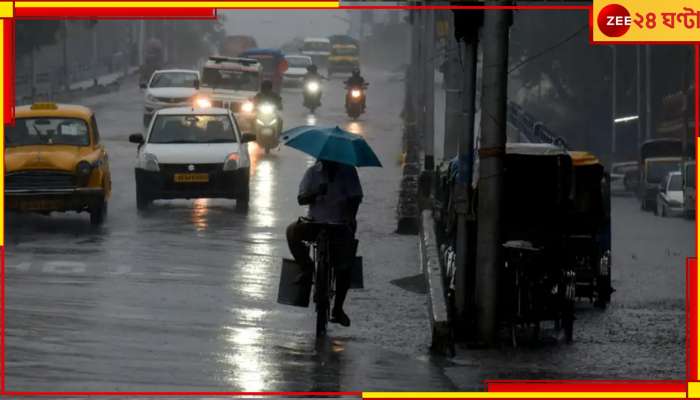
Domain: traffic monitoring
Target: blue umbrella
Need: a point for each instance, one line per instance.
(332, 144)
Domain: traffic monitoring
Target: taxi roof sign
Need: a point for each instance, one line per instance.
(44, 106)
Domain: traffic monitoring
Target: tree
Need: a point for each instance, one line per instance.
(32, 35)
(565, 81)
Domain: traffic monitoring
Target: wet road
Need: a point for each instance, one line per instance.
(182, 297)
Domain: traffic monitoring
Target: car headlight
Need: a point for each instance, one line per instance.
(83, 168)
(202, 102)
(356, 93)
(231, 162)
(150, 162)
(312, 87)
(248, 107)
(266, 108)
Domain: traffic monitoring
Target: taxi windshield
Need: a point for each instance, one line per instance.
(230, 79)
(192, 129)
(47, 131)
(173, 79)
(316, 46)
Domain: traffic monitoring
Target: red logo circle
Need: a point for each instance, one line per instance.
(614, 20)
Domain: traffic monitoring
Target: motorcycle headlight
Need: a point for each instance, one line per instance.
(150, 162)
(231, 162)
(248, 107)
(356, 93)
(312, 87)
(83, 169)
(266, 108)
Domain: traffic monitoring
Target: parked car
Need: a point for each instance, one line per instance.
(622, 177)
(658, 157)
(54, 161)
(670, 198)
(689, 189)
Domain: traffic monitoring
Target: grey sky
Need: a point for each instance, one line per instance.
(271, 28)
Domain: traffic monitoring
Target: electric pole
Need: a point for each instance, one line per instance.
(489, 253)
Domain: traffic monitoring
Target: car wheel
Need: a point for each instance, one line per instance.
(98, 214)
(142, 200)
(244, 196)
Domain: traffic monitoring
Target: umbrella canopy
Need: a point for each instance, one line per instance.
(332, 144)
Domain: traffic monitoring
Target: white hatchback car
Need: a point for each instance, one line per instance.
(192, 153)
(169, 88)
(670, 197)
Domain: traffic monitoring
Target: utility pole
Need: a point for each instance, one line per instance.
(648, 91)
(64, 48)
(142, 39)
(614, 104)
(466, 33)
(489, 253)
(429, 89)
(639, 95)
(453, 94)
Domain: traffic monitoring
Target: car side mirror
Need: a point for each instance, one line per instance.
(142, 85)
(248, 137)
(196, 84)
(136, 138)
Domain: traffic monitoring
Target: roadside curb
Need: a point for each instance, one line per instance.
(441, 332)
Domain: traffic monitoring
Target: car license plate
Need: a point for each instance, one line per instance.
(39, 205)
(191, 178)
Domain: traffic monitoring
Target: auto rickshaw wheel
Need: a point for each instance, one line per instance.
(98, 214)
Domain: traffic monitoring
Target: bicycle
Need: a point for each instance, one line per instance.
(324, 273)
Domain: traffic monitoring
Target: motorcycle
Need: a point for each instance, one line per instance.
(312, 95)
(355, 100)
(268, 126)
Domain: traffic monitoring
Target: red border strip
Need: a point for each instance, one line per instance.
(9, 67)
(313, 394)
(691, 295)
(523, 386)
(583, 386)
(108, 12)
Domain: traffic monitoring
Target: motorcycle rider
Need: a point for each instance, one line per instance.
(266, 94)
(333, 193)
(355, 81)
(312, 74)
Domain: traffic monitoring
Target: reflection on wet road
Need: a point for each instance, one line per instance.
(182, 295)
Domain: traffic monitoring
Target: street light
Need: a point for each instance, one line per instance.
(626, 119)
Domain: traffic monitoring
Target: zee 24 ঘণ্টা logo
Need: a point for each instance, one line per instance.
(648, 21)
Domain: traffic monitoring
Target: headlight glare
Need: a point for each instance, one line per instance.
(266, 108)
(355, 93)
(247, 107)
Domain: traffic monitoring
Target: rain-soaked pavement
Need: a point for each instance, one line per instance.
(182, 297)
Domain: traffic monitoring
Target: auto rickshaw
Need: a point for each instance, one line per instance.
(536, 283)
(588, 237)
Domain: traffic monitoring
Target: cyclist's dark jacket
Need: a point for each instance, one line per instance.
(343, 190)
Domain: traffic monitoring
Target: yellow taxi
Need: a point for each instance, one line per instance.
(54, 161)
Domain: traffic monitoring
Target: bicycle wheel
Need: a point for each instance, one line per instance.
(322, 302)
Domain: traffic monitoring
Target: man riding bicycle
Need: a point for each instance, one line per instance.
(333, 193)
